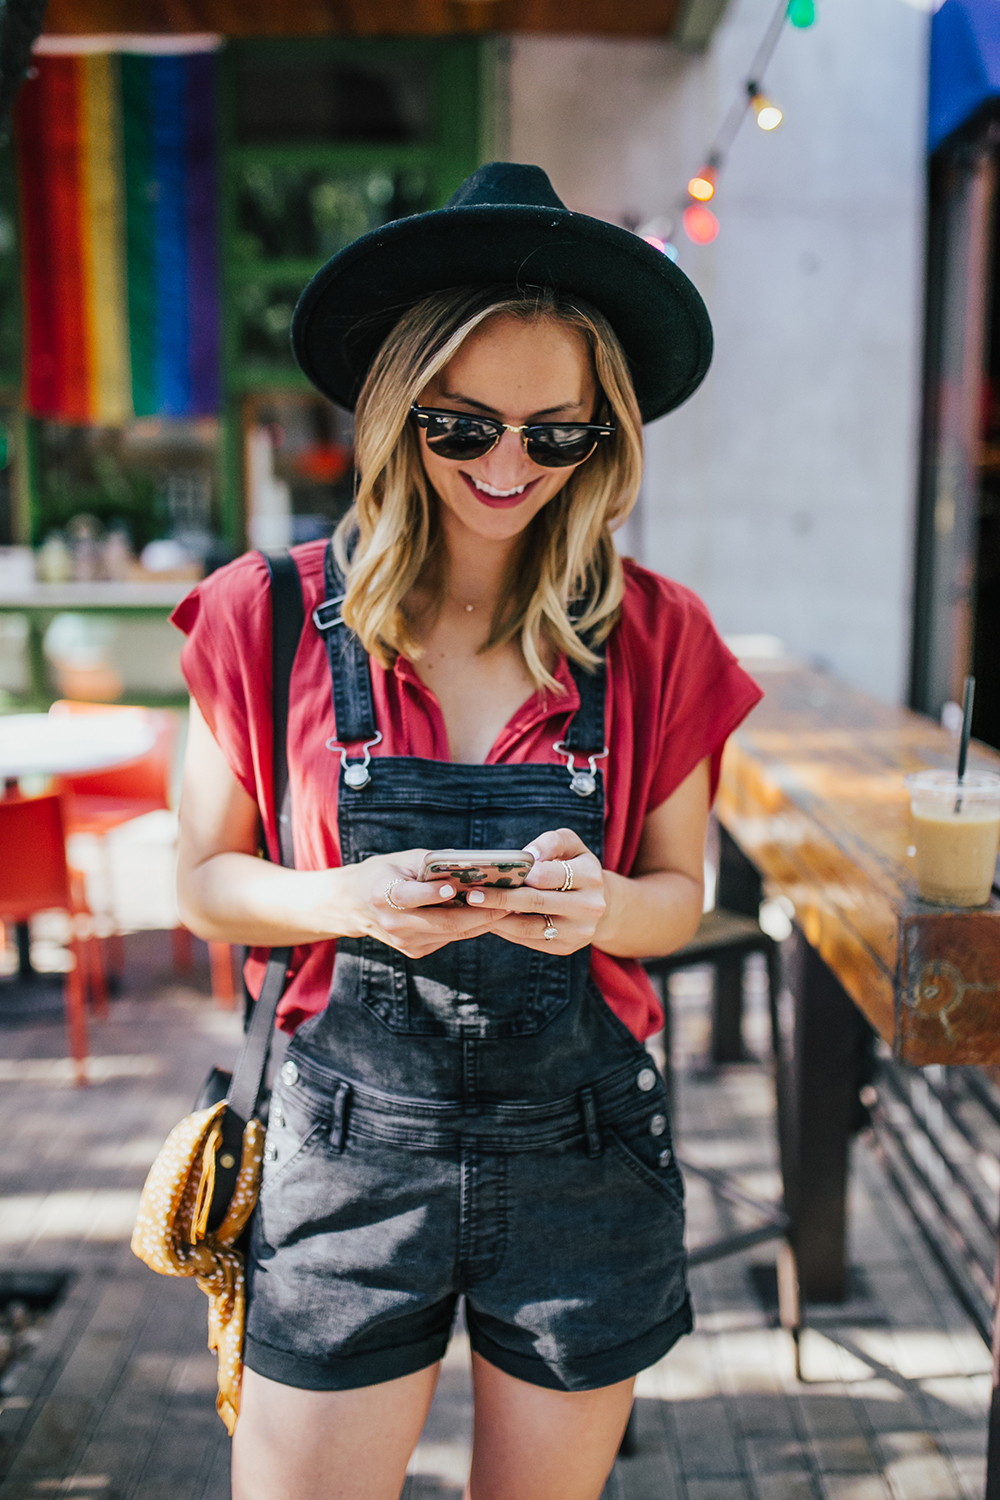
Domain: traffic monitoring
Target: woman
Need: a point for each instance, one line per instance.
(473, 1112)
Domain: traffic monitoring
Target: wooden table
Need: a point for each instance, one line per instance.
(67, 744)
(812, 793)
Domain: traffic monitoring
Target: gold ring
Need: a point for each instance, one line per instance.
(387, 893)
(550, 931)
(567, 884)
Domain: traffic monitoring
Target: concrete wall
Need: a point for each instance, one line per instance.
(783, 492)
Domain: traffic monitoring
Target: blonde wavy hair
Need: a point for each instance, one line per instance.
(566, 561)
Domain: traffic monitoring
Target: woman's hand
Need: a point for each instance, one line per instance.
(385, 900)
(226, 894)
(544, 902)
(653, 910)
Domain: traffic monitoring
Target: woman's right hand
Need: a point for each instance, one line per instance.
(418, 919)
(226, 894)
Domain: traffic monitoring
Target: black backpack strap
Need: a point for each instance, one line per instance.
(287, 615)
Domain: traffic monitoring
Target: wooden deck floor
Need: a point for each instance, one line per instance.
(115, 1399)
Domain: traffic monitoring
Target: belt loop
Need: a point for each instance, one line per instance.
(338, 1129)
(588, 1109)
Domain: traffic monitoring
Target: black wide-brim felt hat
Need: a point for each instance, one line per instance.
(504, 226)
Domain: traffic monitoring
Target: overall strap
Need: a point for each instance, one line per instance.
(350, 673)
(350, 670)
(286, 628)
(585, 731)
(584, 735)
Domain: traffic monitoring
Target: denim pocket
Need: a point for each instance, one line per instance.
(480, 989)
(298, 1122)
(649, 1156)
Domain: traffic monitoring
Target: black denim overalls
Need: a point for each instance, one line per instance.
(475, 1123)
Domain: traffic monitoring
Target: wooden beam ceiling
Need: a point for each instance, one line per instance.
(265, 18)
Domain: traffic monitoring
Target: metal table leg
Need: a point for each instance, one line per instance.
(739, 889)
(25, 970)
(727, 1009)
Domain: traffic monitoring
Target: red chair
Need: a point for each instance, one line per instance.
(34, 877)
(102, 800)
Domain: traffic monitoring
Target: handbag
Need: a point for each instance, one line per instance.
(203, 1185)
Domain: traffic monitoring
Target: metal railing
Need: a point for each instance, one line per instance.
(936, 1131)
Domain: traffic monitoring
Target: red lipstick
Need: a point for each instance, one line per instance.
(498, 502)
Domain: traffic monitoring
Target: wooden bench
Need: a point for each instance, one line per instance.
(813, 795)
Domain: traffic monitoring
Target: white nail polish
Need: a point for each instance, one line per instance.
(447, 891)
(475, 898)
(535, 853)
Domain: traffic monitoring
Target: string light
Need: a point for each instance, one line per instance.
(702, 185)
(700, 224)
(769, 116)
(802, 13)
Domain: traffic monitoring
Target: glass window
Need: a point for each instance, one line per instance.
(263, 312)
(299, 465)
(312, 212)
(153, 478)
(282, 100)
(10, 277)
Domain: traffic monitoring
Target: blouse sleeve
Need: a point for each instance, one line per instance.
(226, 661)
(706, 695)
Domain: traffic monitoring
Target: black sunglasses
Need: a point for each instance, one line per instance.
(551, 445)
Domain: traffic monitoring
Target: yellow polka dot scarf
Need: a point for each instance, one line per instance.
(170, 1233)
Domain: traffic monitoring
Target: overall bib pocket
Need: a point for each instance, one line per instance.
(483, 989)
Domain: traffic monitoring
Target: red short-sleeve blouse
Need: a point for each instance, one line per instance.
(675, 693)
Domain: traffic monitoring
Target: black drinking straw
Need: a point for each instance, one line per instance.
(963, 744)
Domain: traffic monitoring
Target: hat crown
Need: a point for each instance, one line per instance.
(505, 183)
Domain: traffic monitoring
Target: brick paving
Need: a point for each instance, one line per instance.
(115, 1398)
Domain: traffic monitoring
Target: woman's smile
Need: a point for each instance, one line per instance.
(520, 371)
(498, 499)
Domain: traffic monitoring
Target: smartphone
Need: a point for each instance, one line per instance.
(506, 867)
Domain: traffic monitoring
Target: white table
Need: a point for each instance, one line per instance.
(65, 745)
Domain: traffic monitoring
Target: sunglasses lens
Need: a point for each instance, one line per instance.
(462, 438)
(555, 447)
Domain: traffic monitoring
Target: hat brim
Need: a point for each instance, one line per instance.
(353, 302)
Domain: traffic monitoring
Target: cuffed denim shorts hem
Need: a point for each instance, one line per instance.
(346, 1372)
(586, 1372)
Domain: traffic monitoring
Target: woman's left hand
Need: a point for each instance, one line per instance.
(561, 859)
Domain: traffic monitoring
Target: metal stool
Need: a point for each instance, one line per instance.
(724, 940)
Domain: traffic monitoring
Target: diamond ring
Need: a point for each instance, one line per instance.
(567, 884)
(550, 931)
(387, 893)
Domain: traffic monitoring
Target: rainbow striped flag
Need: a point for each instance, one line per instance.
(117, 171)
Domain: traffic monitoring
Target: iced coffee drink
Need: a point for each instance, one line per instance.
(956, 831)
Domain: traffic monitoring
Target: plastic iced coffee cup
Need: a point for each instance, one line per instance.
(956, 831)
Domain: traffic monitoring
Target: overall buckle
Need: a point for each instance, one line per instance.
(327, 615)
(583, 783)
(356, 772)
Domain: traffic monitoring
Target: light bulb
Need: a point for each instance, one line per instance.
(801, 13)
(702, 185)
(768, 114)
(700, 224)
